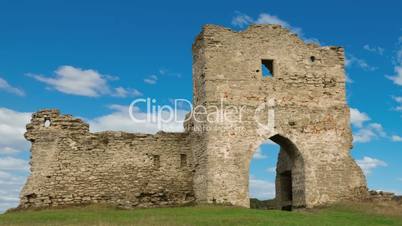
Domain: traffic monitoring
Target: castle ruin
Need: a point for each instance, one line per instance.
(302, 98)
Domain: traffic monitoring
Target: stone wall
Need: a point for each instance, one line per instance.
(381, 196)
(302, 107)
(72, 166)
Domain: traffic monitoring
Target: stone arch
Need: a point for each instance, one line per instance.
(290, 176)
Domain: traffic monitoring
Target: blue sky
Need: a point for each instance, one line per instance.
(126, 50)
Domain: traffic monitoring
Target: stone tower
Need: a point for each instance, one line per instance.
(298, 102)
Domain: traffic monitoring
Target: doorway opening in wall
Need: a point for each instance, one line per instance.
(271, 175)
(263, 175)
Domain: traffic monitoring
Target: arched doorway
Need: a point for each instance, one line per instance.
(284, 170)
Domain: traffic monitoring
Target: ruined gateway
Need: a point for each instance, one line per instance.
(305, 103)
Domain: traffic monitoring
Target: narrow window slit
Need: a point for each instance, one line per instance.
(156, 159)
(267, 67)
(183, 160)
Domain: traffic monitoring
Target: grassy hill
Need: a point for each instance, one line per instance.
(263, 204)
(345, 214)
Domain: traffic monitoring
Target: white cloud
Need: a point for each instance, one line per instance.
(265, 18)
(242, 20)
(369, 132)
(10, 188)
(81, 82)
(166, 72)
(119, 120)
(377, 49)
(8, 151)
(259, 155)
(12, 164)
(76, 81)
(123, 92)
(261, 189)
(357, 118)
(5, 86)
(363, 132)
(348, 78)
(398, 100)
(397, 78)
(12, 129)
(271, 169)
(367, 164)
(396, 138)
(351, 60)
(12, 141)
(152, 79)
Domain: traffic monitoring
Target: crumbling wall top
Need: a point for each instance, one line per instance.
(215, 32)
(50, 121)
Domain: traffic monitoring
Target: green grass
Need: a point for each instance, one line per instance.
(203, 215)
